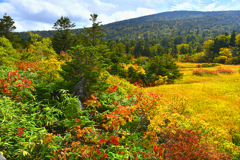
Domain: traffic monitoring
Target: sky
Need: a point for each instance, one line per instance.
(31, 15)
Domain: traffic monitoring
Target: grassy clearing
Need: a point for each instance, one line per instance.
(217, 96)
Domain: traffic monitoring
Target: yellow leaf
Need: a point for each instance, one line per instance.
(25, 153)
(173, 131)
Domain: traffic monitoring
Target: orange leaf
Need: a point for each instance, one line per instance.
(93, 97)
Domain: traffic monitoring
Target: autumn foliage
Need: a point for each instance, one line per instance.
(13, 84)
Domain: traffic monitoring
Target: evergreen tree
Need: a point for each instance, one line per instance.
(6, 26)
(138, 50)
(83, 71)
(183, 50)
(146, 51)
(63, 38)
(92, 33)
(233, 39)
(127, 48)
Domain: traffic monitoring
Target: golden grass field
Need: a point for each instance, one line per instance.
(216, 96)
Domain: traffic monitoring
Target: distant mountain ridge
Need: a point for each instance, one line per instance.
(175, 15)
(165, 24)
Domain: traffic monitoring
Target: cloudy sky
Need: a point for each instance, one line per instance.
(42, 14)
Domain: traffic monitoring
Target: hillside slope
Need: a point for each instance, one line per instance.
(166, 24)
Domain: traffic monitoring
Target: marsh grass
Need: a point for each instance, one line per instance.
(215, 97)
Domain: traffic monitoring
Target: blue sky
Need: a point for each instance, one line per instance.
(42, 14)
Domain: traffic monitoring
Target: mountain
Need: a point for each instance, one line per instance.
(165, 24)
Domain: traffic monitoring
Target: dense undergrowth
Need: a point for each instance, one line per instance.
(42, 121)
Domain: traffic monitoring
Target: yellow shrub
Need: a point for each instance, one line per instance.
(50, 67)
(123, 85)
(161, 80)
(135, 66)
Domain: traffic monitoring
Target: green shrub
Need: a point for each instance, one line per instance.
(14, 143)
(201, 72)
(163, 66)
(220, 59)
(210, 64)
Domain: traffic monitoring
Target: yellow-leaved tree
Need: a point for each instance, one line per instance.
(183, 48)
(225, 52)
(8, 55)
(41, 50)
(237, 41)
(207, 45)
(38, 49)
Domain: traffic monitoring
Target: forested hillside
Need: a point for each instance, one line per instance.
(166, 24)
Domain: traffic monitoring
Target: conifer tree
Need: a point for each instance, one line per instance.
(6, 26)
(63, 38)
(233, 38)
(92, 33)
(83, 71)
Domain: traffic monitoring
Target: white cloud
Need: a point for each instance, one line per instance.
(122, 15)
(28, 14)
(24, 26)
(104, 6)
(210, 7)
(186, 6)
(5, 7)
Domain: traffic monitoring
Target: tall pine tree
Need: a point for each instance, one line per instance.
(63, 38)
(90, 38)
(83, 71)
(233, 39)
(6, 26)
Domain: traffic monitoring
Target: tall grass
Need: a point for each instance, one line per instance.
(215, 97)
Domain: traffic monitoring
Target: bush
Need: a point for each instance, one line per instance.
(220, 59)
(210, 65)
(20, 128)
(201, 72)
(162, 66)
(115, 69)
(225, 71)
(232, 60)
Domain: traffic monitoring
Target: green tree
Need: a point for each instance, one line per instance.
(8, 55)
(83, 71)
(220, 41)
(63, 38)
(233, 38)
(92, 33)
(6, 26)
(38, 49)
(132, 74)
